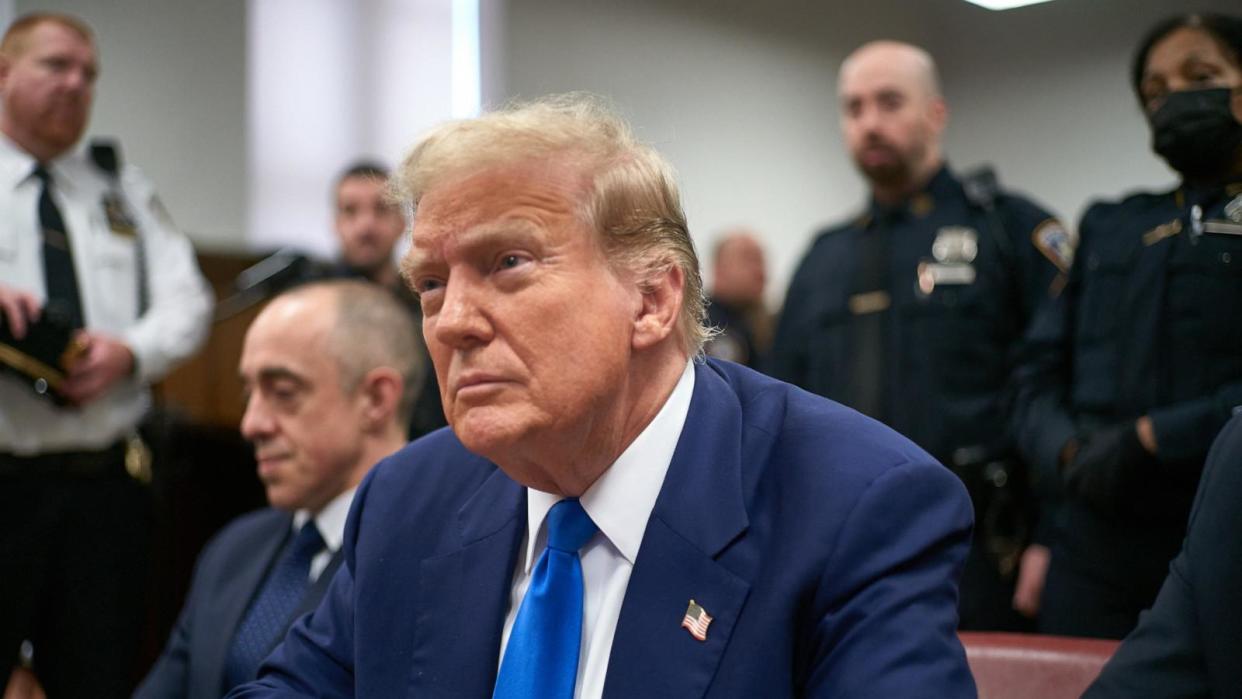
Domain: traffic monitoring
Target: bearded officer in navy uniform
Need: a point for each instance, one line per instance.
(913, 311)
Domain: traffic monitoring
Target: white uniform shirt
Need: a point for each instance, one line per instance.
(173, 327)
(620, 504)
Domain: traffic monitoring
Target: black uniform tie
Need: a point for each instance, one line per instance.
(870, 311)
(62, 281)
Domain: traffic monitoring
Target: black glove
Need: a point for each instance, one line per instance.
(1108, 463)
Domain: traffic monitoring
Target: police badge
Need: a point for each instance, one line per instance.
(119, 219)
(953, 250)
(956, 245)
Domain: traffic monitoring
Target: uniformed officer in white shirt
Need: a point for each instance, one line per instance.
(87, 237)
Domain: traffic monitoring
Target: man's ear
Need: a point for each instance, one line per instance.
(380, 391)
(938, 114)
(662, 296)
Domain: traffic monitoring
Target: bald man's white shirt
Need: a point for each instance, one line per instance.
(620, 503)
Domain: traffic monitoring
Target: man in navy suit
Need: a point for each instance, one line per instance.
(326, 368)
(608, 515)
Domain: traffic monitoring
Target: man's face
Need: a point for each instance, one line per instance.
(528, 326)
(367, 224)
(48, 89)
(306, 430)
(890, 120)
(739, 273)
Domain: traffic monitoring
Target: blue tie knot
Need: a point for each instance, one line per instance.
(569, 526)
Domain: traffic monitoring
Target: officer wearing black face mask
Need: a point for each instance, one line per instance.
(1132, 371)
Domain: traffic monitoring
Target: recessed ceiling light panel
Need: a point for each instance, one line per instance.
(1004, 4)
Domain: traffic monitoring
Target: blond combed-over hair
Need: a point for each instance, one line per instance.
(632, 199)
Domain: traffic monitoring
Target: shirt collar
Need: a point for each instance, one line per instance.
(17, 166)
(330, 520)
(621, 500)
(919, 204)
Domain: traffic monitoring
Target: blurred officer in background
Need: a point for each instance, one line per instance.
(1138, 364)
(368, 226)
(85, 249)
(912, 312)
(735, 304)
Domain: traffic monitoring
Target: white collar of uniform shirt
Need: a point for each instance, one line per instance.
(619, 503)
(331, 523)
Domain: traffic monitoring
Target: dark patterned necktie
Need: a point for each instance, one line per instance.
(61, 279)
(271, 610)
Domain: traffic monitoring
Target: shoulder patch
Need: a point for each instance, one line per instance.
(1056, 243)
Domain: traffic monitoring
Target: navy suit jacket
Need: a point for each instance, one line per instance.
(226, 576)
(1189, 643)
(826, 547)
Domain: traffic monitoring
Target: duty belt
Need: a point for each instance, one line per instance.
(126, 457)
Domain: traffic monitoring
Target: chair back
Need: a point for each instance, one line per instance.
(1030, 666)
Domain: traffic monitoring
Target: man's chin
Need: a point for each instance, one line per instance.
(487, 432)
(887, 174)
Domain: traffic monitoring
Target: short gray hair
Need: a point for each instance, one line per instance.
(372, 328)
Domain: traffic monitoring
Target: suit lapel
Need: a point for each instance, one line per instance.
(463, 596)
(699, 512)
(226, 614)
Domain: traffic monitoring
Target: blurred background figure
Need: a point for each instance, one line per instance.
(1138, 365)
(735, 303)
(368, 227)
(325, 368)
(913, 311)
(100, 296)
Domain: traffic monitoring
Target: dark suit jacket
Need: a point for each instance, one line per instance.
(826, 547)
(230, 569)
(1189, 644)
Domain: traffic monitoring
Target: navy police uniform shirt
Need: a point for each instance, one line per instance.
(1150, 324)
(913, 313)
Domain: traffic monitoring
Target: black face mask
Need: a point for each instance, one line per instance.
(1196, 133)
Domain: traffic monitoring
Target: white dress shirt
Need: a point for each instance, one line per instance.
(620, 503)
(331, 524)
(105, 262)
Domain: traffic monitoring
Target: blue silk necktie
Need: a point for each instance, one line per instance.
(541, 660)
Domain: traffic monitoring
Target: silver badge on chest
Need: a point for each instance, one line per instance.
(953, 251)
(955, 245)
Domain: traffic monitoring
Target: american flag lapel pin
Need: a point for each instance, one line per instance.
(696, 621)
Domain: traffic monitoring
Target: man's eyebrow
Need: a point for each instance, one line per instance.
(276, 374)
(484, 235)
